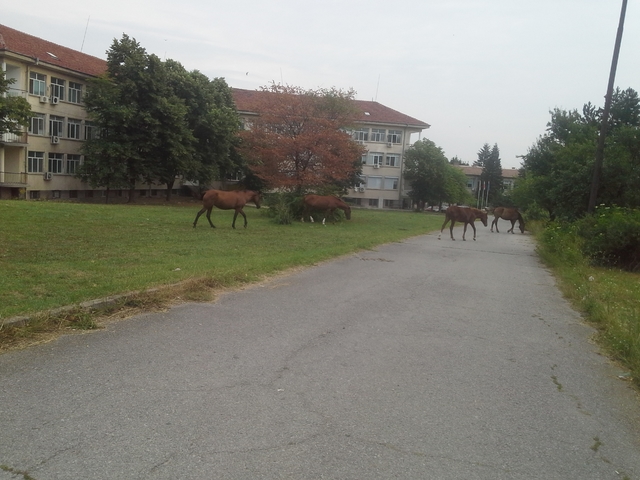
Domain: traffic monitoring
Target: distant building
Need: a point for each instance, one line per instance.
(509, 176)
(386, 133)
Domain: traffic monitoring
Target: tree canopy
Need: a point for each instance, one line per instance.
(558, 167)
(432, 178)
(491, 176)
(15, 111)
(155, 121)
(300, 142)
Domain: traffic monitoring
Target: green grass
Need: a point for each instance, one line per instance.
(609, 299)
(55, 254)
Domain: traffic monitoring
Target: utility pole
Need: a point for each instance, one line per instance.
(597, 168)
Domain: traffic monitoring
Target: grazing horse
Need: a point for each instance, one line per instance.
(326, 203)
(511, 214)
(233, 200)
(463, 214)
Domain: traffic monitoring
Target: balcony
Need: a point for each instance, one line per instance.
(13, 179)
(13, 139)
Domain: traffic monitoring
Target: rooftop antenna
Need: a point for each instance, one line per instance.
(85, 33)
(377, 86)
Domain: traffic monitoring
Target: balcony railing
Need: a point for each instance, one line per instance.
(9, 138)
(13, 179)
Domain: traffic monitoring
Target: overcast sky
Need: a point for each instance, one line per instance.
(477, 71)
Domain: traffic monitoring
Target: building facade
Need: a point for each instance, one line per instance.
(385, 133)
(42, 161)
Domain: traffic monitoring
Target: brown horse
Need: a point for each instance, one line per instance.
(463, 214)
(233, 200)
(511, 214)
(327, 203)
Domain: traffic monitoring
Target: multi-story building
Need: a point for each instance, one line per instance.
(386, 134)
(509, 176)
(42, 161)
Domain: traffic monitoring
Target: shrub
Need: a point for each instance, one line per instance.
(611, 237)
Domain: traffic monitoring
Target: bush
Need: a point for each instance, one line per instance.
(283, 207)
(611, 237)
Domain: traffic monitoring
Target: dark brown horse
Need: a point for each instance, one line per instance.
(467, 215)
(233, 200)
(326, 203)
(511, 214)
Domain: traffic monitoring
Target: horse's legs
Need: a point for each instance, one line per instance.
(464, 232)
(204, 209)
(495, 222)
(235, 215)
(473, 225)
(513, 224)
(451, 229)
(443, 225)
(209, 217)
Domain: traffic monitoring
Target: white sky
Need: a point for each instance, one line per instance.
(477, 71)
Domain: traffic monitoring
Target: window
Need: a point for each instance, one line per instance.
(35, 162)
(362, 134)
(55, 162)
(55, 125)
(376, 158)
(374, 182)
(364, 159)
(378, 135)
(90, 131)
(37, 83)
(34, 194)
(73, 128)
(73, 162)
(391, 183)
(373, 202)
(392, 161)
(395, 136)
(36, 125)
(75, 92)
(57, 88)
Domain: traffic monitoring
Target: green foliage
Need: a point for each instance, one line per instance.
(156, 122)
(608, 297)
(432, 178)
(611, 237)
(489, 160)
(558, 167)
(284, 207)
(15, 111)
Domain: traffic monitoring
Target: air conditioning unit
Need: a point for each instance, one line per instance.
(55, 100)
(362, 189)
(48, 175)
(55, 140)
(44, 99)
(389, 144)
(360, 142)
(376, 165)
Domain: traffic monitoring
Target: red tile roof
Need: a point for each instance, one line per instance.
(20, 43)
(371, 112)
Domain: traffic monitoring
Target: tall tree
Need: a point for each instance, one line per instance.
(298, 142)
(559, 166)
(491, 174)
(14, 111)
(433, 180)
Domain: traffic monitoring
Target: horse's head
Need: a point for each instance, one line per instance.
(521, 224)
(256, 198)
(483, 217)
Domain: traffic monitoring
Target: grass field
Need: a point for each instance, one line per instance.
(55, 254)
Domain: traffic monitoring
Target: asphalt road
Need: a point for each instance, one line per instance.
(426, 359)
